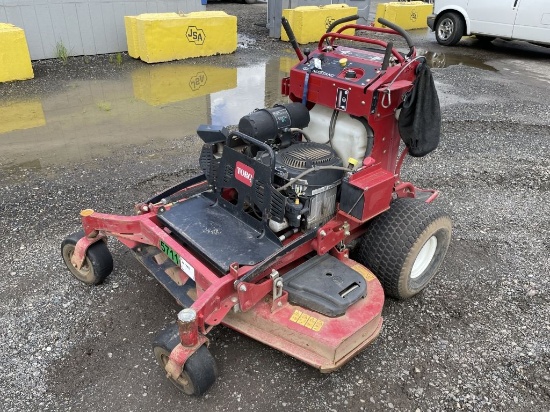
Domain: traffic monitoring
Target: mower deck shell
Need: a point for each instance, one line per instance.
(323, 342)
(320, 341)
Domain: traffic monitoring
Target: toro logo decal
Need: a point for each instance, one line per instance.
(244, 173)
(197, 81)
(195, 35)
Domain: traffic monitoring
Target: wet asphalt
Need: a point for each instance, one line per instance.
(96, 133)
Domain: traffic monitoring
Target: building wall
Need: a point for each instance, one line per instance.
(82, 27)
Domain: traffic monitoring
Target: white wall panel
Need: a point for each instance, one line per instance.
(85, 27)
(32, 33)
(73, 29)
(81, 26)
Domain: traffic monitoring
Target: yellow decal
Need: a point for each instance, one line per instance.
(307, 321)
(309, 324)
(295, 316)
(363, 271)
(303, 319)
(318, 325)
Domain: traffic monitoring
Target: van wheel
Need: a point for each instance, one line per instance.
(449, 29)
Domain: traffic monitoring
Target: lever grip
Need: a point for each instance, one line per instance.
(399, 30)
(291, 37)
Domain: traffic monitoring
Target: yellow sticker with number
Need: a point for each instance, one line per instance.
(295, 316)
(318, 325)
(303, 319)
(306, 320)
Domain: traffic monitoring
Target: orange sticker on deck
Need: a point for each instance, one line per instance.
(306, 320)
(363, 271)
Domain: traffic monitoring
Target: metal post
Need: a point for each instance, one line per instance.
(188, 329)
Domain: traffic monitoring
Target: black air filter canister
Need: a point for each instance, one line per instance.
(265, 124)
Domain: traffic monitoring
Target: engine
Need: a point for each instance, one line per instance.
(311, 196)
(307, 169)
(307, 173)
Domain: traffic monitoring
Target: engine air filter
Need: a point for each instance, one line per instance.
(307, 155)
(297, 158)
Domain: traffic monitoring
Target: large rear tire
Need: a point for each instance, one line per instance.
(200, 370)
(449, 29)
(405, 246)
(97, 265)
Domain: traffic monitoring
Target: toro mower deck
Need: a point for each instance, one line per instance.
(261, 241)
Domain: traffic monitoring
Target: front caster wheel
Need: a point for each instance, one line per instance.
(405, 246)
(199, 372)
(97, 265)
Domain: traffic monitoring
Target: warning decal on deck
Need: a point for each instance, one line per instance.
(363, 271)
(306, 320)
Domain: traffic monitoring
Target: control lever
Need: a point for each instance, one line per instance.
(307, 52)
(291, 38)
(387, 55)
(399, 30)
(340, 21)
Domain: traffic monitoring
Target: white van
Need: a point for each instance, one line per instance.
(527, 20)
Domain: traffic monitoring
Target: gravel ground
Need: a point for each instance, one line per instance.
(476, 339)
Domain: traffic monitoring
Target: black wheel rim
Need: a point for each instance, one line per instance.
(86, 271)
(446, 29)
(183, 382)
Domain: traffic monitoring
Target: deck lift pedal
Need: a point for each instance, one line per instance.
(262, 240)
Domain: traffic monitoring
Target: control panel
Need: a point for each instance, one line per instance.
(336, 77)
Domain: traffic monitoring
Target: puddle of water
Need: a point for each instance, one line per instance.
(441, 60)
(92, 118)
(23, 114)
(228, 106)
(538, 69)
(244, 42)
(163, 84)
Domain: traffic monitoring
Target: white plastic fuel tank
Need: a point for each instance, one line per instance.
(351, 136)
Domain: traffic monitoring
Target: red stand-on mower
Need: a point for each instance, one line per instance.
(261, 241)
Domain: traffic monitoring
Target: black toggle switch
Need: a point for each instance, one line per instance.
(351, 74)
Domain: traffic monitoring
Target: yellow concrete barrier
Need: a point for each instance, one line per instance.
(164, 84)
(411, 15)
(15, 61)
(309, 23)
(21, 115)
(161, 37)
(132, 38)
